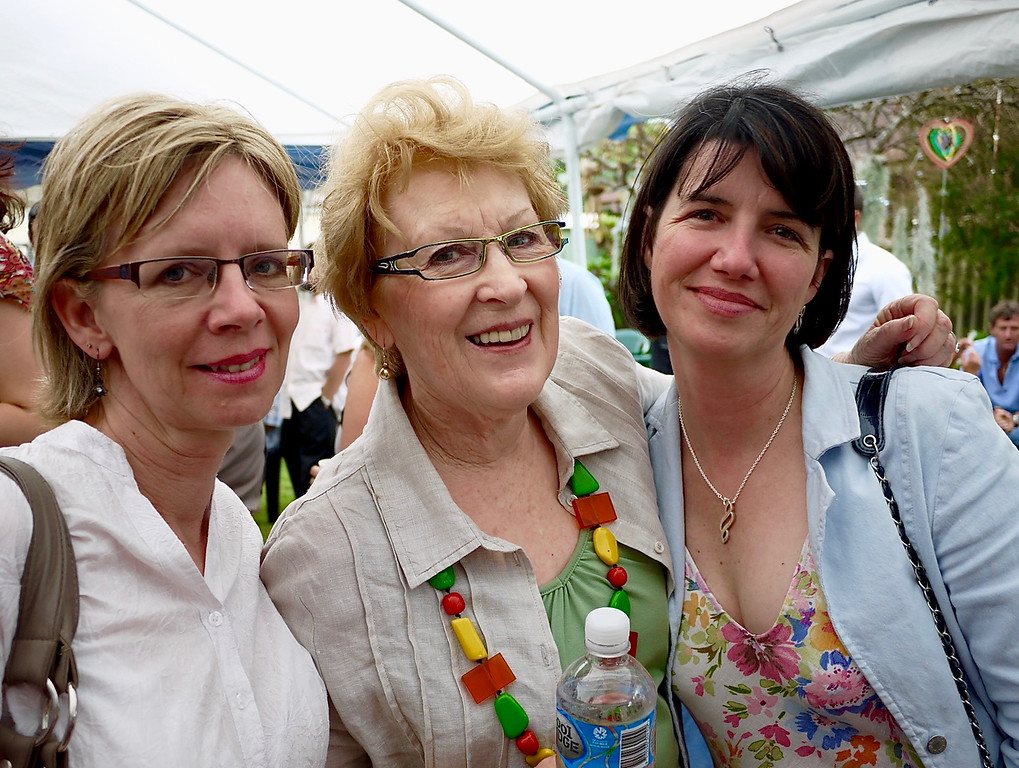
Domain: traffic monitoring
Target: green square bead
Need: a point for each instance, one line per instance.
(582, 482)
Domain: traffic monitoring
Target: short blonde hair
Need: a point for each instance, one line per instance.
(406, 125)
(101, 184)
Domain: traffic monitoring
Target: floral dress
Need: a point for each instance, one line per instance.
(15, 274)
(790, 695)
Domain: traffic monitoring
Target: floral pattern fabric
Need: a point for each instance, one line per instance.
(15, 273)
(791, 695)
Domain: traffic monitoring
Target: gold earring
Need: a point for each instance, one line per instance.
(385, 372)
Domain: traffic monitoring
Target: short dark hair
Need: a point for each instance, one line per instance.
(1004, 310)
(802, 156)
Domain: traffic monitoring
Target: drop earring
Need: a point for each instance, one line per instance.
(385, 372)
(799, 320)
(99, 388)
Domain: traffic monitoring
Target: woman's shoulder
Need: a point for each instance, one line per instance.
(324, 513)
(942, 402)
(585, 351)
(921, 385)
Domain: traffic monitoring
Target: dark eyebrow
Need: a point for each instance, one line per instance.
(785, 215)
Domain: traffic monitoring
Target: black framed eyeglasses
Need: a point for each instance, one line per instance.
(459, 258)
(192, 276)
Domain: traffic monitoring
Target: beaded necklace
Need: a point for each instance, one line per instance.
(492, 673)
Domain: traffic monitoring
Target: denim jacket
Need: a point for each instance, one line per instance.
(954, 474)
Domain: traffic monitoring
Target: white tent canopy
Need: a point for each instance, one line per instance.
(839, 51)
(303, 67)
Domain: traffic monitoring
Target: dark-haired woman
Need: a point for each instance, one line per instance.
(803, 636)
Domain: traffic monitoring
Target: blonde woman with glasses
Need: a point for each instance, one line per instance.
(163, 312)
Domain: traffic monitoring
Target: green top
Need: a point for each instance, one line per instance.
(582, 587)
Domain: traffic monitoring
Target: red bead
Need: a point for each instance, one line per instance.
(617, 576)
(527, 743)
(454, 604)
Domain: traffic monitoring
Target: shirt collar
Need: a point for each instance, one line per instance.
(828, 419)
(414, 503)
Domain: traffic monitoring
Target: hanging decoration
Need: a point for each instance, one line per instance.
(946, 141)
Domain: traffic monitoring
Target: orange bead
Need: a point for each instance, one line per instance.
(594, 510)
(488, 678)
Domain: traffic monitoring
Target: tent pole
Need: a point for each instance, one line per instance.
(574, 188)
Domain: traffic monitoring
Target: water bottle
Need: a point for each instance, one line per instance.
(605, 701)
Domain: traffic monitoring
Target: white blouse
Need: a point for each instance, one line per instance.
(176, 668)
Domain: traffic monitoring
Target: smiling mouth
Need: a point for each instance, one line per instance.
(501, 337)
(234, 368)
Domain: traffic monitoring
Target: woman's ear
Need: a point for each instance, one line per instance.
(819, 272)
(649, 213)
(378, 329)
(78, 316)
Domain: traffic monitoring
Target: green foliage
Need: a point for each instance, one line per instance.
(286, 496)
(973, 232)
(973, 206)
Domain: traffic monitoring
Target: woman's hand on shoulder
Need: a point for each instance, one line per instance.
(909, 331)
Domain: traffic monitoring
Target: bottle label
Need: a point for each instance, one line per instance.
(596, 745)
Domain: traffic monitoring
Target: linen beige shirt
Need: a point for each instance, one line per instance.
(348, 567)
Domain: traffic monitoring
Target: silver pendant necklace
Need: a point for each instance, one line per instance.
(729, 505)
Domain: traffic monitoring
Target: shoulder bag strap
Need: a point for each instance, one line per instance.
(41, 654)
(870, 401)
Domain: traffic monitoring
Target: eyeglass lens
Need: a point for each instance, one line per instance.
(462, 257)
(186, 278)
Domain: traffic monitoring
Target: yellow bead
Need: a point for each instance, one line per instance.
(605, 545)
(537, 757)
(469, 639)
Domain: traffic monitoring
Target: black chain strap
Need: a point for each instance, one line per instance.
(871, 410)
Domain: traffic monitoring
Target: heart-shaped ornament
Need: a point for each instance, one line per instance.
(946, 141)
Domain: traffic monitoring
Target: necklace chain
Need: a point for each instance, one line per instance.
(729, 505)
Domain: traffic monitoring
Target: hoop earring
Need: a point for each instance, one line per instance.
(799, 320)
(385, 372)
(99, 388)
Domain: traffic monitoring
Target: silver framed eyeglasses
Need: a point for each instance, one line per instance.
(188, 277)
(459, 258)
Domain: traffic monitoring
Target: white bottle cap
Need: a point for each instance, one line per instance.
(607, 632)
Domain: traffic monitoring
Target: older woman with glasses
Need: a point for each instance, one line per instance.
(163, 311)
(440, 569)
